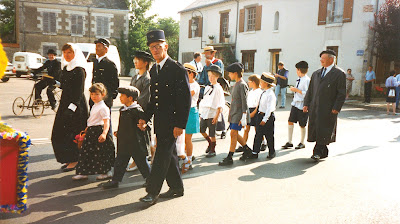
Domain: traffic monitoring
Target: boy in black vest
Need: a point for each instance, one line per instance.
(281, 84)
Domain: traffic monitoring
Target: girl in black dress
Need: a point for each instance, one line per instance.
(72, 113)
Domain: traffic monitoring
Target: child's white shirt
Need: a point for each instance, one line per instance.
(212, 100)
(267, 103)
(194, 86)
(98, 112)
(253, 98)
(298, 98)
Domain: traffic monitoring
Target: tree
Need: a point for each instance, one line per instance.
(138, 27)
(171, 30)
(387, 29)
(7, 20)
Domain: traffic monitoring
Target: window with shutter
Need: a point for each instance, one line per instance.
(251, 19)
(224, 25)
(335, 11)
(241, 20)
(248, 60)
(49, 22)
(322, 12)
(102, 26)
(76, 24)
(348, 11)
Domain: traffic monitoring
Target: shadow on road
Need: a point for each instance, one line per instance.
(40, 158)
(282, 170)
(359, 149)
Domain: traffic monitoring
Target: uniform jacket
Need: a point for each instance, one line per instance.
(170, 99)
(324, 95)
(143, 85)
(53, 68)
(106, 72)
(239, 102)
(129, 136)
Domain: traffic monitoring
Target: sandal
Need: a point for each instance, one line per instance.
(80, 177)
(103, 177)
(186, 166)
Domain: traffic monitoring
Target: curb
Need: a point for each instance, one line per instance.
(365, 106)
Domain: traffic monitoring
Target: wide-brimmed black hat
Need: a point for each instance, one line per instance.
(129, 91)
(103, 41)
(302, 64)
(51, 51)
(235, 67)
(144, 55)
(154, 36)
(328, 51)
(215, 68)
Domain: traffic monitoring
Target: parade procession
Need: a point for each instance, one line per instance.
(187, 111)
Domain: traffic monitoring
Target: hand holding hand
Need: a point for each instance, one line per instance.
(142, 125)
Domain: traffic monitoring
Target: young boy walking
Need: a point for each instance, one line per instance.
(210, 108)
(296, 113)
(238, 113)
(265, 118)
(130, 139)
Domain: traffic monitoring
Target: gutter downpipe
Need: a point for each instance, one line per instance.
(373, 38)
(237, 24)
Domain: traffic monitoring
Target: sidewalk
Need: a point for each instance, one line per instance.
(376, 103)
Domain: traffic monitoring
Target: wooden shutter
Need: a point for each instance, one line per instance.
(241, 21)
(190, 28)
(106, 25)
(200, 26)
(258, 17)
(73, 24)
(99, 24)
(348, 11)
(46, 22)
(53, 23)
(79, 25)
(221, 21)
(323, 7)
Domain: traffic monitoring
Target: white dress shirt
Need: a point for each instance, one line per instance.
(253, 98)
(100, 58)
(194, 86)
(98, 112)
(298, 98)
(212, 100)
(267, 103)
(327, 69)
(198, 65)
(162, 63)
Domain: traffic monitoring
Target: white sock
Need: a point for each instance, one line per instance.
(303, 134)
(290, 133)
(190, 158)
(264, 141)
(185, 160)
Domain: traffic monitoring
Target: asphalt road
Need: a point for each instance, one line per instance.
(357, 183)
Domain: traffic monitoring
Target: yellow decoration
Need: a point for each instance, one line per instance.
(3, 61)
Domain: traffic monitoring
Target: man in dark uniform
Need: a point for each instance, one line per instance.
(53, 69)
(170, 103)
(105, 71)
(324, 100)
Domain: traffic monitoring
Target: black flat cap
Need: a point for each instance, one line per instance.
(302, 64)
(215, 68)
(51, 51)
(154, 36)
(129, 91)
(328, 51)
(103, 41)
(144, 55)
(235, 67)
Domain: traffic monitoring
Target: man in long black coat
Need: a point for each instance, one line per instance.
(324, 100)
(170, 104)
(105, 71)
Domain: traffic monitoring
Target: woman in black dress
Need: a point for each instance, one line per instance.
(72, 113)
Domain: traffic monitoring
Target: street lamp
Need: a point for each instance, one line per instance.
(195, 26)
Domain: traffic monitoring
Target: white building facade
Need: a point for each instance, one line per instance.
(264, 32)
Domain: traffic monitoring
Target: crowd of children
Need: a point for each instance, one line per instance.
(252, 105)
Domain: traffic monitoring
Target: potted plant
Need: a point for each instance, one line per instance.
(227, 36)
(211, 37)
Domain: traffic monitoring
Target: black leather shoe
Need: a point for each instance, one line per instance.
(172, 193)
(252, 156)
(239, 149)
(300, 146)
(223, 135)
(287, 145)
(211, 154)
(64, 166)
(245, 155)
(226, 162)
(263, 147)
(68, 169)
(316, 157)
(281, 107)
(271, 156)
(208, 149)
(150, 199)
(110, 184)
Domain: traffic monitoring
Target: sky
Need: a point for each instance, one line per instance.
(169, 8)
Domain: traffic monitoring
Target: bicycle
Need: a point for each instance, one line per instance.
(37, 105)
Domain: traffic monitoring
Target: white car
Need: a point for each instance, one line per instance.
(25, 62)
(8, 72)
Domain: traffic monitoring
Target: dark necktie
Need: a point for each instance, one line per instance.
(197, 68)
(298, 82)
(323, 73)
(158, 69)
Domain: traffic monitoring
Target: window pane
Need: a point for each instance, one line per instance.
(251, 19)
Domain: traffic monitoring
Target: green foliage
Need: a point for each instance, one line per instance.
(139, 25)
(171, 30)
(228, 55)
(7, 20)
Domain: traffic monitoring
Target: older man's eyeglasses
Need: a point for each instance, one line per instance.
(156, 47)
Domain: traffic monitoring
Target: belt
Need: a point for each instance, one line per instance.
(262, 113)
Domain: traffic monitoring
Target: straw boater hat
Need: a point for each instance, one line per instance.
(268, 78)
(190, 67)
(209, 49)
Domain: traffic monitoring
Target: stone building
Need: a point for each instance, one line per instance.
(46, 24)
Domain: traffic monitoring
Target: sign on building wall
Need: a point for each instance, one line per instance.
(360, 52)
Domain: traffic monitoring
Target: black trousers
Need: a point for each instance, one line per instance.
(367, 92)
(267, 130)
(122, 160)
(321, 150)
(165, 166)
(39, 86)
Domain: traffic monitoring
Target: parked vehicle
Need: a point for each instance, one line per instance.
(8, 72)
(89, 50)
(24, 62)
